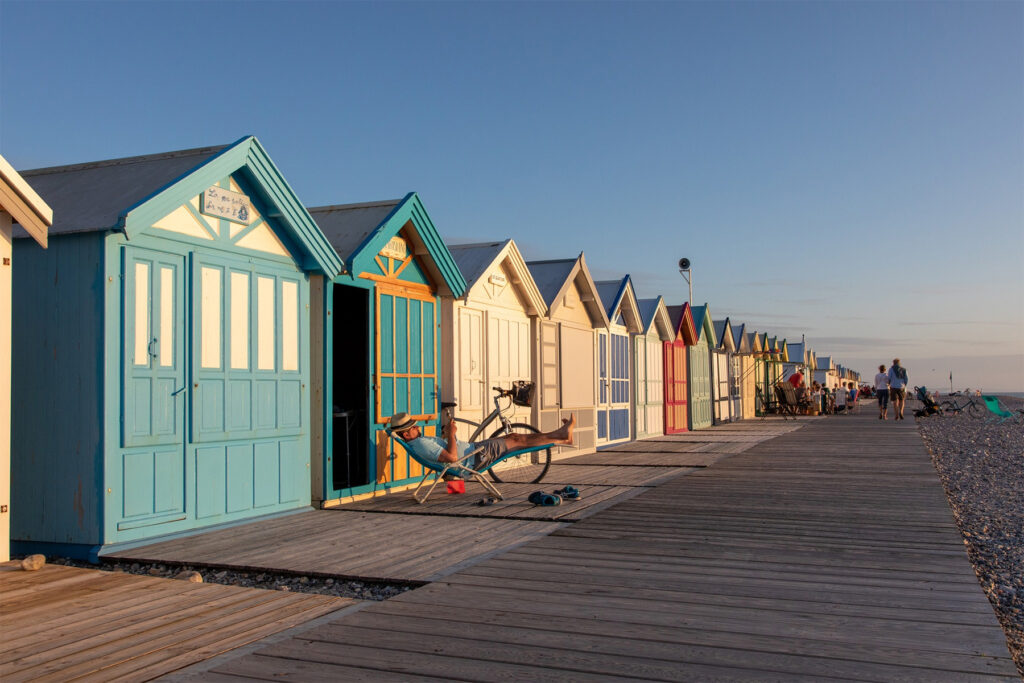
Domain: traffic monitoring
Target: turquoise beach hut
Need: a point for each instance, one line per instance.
(163, 350)
(378, 350)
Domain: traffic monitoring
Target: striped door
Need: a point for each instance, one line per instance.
(603, 387)
(471, 365)
(618, 405)
(700, 386)
(654, 418)
(677, 396)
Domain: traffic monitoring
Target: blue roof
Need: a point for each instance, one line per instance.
(648, 307)
(611, 292)
(550, 276)
(474, 259)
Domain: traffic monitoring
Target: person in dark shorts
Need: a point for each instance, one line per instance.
(897, 387)
(882, 393)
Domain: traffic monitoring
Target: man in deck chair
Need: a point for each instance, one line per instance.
(450, 449)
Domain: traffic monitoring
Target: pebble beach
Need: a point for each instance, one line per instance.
(981, 464)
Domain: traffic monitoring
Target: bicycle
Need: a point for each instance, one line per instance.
(528, 468)
(971, 406)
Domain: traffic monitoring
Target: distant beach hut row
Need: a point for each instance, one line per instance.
(197, 348)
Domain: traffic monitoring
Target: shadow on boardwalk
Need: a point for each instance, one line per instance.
(826, 552)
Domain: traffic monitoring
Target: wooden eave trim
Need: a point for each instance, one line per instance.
(524, 279)
(24, 214)
(629, 299)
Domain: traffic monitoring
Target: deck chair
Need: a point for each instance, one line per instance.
(459, 470)
(999, 411)
(786, 408)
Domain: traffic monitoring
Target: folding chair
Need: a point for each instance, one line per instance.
(999, 411)
(458, 469)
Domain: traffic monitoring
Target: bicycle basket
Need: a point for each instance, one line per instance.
(522, 393)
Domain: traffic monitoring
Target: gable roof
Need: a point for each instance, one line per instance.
(702, 323)
(741, 339)
(350, 227)
(23, 204)
(475, 260)
(131, 194)
(618, 295)
(723, 333)
(654, 313)
(554, 278)
(682, 323)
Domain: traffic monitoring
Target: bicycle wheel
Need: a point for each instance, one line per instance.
(528, 468)
(975, 411)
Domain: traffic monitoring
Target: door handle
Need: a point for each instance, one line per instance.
(175, 393)
(150, 350)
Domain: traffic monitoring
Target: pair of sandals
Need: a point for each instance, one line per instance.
(551, 499)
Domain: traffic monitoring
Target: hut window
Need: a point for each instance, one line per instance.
(166, 317)
(265, 312)
(239, 321)
(289, 325)
(209, 330)
(141, 313)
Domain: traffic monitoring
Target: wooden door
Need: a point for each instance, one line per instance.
(618, 394)
(677, 388)
(654, 418)
(471, 365)
(508, 358)
(603, 387)
(700, 411)
(640, 386)
(720, 387)
(153, 389)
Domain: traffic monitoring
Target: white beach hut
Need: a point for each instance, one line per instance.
(649, 368)
(614, 373)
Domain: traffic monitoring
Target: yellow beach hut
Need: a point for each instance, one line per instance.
(567, 363)
(490, 333)
(18, 203)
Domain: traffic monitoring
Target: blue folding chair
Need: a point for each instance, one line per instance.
(459, 470)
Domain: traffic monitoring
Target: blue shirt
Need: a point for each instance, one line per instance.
(429, 448)
(897, 377)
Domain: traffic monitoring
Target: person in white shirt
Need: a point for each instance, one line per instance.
(897, 387)
(840, 396)
(882, 392)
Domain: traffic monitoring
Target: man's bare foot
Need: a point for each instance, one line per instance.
(565, 433)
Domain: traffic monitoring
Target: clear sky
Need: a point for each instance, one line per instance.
(852, 172)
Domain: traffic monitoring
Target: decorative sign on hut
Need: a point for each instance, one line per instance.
(395, 248)
(233, 206)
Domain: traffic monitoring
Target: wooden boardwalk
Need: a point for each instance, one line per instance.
(64, 624)
(826, 553)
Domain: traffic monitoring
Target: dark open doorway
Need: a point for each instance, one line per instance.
(350, 454)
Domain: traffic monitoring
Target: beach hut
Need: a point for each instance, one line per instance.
(379, 350)
(825, 373)
(489, 333)
(677, 368)
(797, 360)
(614, 381)
(724, 398)
(649, 369)
(163, 373)
(19, 204)
(740, 379)
(701, 379)
(747, 351)
(567, 363)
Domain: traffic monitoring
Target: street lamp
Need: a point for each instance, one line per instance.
(684, 270)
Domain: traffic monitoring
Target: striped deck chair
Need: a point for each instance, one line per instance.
(999, 411)
(459, 470)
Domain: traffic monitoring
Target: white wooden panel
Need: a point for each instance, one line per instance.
(167, 304)
(239, 321)
(655, 371)
(265, 311)
(549, 374)
(210, 326)
(578, 373)
(289, 325)
(141, 314)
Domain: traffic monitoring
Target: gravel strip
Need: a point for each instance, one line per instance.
(981, 464)
(298, 583)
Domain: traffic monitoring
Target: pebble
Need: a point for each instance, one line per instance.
(985, 489)
(33, 563)
(190, 576)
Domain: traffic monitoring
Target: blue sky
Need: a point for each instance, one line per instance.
(850, 171)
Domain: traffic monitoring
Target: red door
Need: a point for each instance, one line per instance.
(675, 387)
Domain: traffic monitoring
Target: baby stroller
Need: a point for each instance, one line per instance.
(930, 406)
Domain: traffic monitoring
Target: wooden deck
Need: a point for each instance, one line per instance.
(347, 544)
(826, 553)
(63, 623)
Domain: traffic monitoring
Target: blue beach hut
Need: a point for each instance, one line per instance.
(379, 350)
(614, 375)
(163, 373)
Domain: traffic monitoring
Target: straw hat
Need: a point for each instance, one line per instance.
(399, 422)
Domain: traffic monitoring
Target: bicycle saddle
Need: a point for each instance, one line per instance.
(448, 404)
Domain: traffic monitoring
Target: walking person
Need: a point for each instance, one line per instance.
(840, 396)
(897, 387)
(882, 392)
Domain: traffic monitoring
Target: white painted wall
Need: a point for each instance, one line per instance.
(5, 385)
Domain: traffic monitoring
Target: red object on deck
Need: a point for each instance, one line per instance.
(456, 486)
